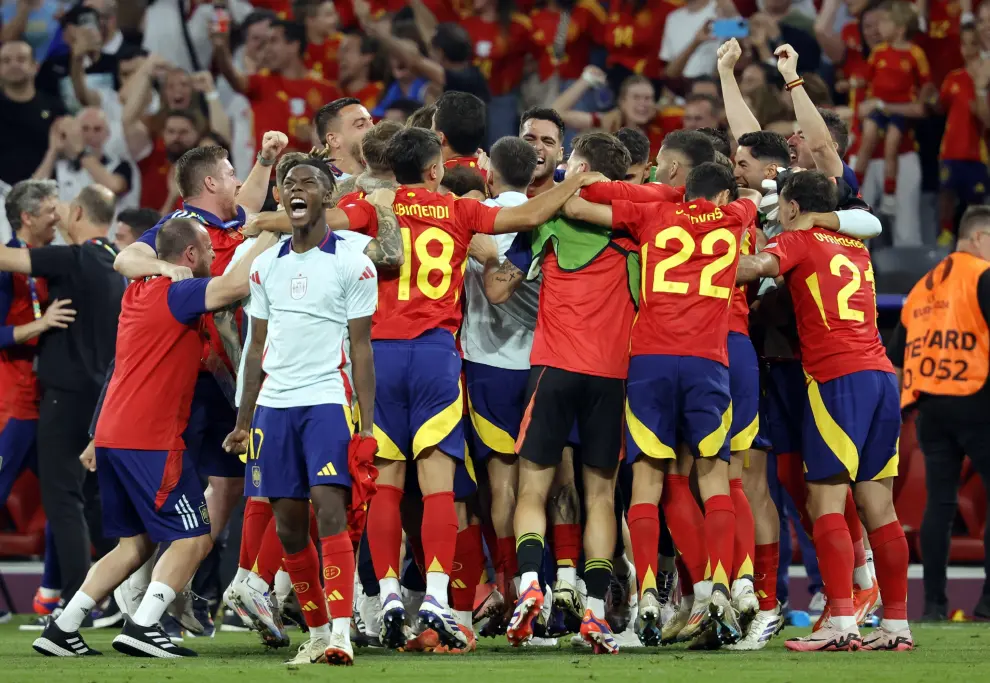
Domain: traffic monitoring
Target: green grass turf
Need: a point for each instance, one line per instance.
(945, 652)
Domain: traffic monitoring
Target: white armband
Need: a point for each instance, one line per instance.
(859, 223)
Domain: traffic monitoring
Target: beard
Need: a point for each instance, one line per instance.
(174, 151)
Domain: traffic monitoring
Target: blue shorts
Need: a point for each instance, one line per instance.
(784, 394)
(496, 399)
(744, 387)
(295, 449)
(884, 120)
(18, 450)
(677, 399)
(211, 419)
(150, 492)
(852, 424)
(968, 180)
(465, 479)
(418, 401)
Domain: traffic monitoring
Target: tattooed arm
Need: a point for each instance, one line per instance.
(501, 280)
(386, 250)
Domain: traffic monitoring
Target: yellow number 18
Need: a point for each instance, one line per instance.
(427, 263)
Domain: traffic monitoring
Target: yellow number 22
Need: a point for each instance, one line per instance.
(683, 255)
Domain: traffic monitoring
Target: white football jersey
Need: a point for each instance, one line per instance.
(307, 300)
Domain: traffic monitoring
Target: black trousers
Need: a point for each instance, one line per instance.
(947, 433)
(69, 494)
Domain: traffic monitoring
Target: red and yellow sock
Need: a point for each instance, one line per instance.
(765, 563)
(338, 574)
(304, 571)
(644, 534)
(567, 544)
(790, 472)
(720, 532)
(270, 554)
(835, 562)
(469, 563)
(506, 554)
(684, 520)
(744, 546)
(439, 532)
(257, 514)
(385, 532)
(890, 559)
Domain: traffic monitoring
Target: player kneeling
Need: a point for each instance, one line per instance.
(310, 296)
(150, 489)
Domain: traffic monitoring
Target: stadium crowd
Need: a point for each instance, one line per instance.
(488, 322)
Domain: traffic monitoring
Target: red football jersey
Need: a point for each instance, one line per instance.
(941, 43)
(587, 21)
(369, 94)
(436, 229)
(322, 59)
(286, 104)
(147, 403)
(897, 74)
(466, 162)
(585, 317)
(855, 70)
(19, 390)
(606, 193)
(739, 306)
(633, 39)
(154, 170)
(500, 54)
(963, 136)
(690, 253)
(830, 279)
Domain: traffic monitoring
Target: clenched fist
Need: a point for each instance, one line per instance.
(728, 54)
(272, 145)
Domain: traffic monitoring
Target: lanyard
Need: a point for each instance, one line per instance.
(33, 288)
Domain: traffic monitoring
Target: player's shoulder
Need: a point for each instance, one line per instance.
(916, 51)
(265, 260)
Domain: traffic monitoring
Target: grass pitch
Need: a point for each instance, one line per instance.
(944, 652)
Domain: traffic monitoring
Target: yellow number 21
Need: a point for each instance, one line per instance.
(839, 263)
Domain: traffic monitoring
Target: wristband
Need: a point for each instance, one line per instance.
(264, 162)
(212, 96)
(794, 84)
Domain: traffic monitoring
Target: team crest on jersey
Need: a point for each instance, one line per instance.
(298, 287)
(297, 106)
(204, 514)
(256, 476)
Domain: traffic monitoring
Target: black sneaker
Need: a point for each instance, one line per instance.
(54, 642)
(982, 609)
(935, 612)
(148, 641)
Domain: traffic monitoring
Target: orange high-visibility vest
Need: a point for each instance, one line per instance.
(947, 350)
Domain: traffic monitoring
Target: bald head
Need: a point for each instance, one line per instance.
(94, 127)
(97, 203)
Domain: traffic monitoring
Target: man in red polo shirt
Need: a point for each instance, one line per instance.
(284, 96)
(460, 121)
(355, 57)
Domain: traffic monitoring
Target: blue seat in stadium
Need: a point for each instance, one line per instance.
(897, 269)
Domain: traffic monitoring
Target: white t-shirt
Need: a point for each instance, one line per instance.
(499, 336)
(681, 27)
(308, 300)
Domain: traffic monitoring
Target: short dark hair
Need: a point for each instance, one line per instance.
(723, 160)
(375, 142)
(719, 138)
(453, 41)
(604, 154)
(514, 160)
(407, 106)
(139, 221)
(174, 236)
(766, 145)
(329, 112)
(460, 180)
(704, 97)
(461, 117)
(98, 203)
(295, 32)
(292, 159)
(707, 180)
(630, 81)
(543, 114)
(189, 115)
(636, 142)
(976, 216)
(813, 191)
(193, 167)
(422, 117)
(410, 151)
(697, 147)
(837, 128)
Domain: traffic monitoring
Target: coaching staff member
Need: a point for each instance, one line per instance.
(942, 346)
(72, 364)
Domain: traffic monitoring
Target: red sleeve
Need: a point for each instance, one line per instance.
(607, 193)
(742, 210)
(256, 86)
(470, 216)
(361, 217)
(789, 248)
(633, 217)
(945, 92)
(921, 66)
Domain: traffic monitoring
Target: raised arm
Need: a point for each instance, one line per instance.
(754, 267)
(219, 120)
(81, 49)
(583, 210)
(405, 49)
(812, 124)
(830, 41)
(15, 260)
(741, 119)
(224, 62)
(591, 77)
(254, 191)
(539, 210)
(14, 29)
(139, 260)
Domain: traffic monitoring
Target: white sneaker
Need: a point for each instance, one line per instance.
(537, 641)
(648, 625)
(628, 638)
(439, 618)
(763, 627)
(129, 596)
(724, 619)
(411, 600)
(181, 610)
(339, 652)
(697, 620)
(888, 205)
(370, 609)
(257, 604)
(565, 597)
(744, 598)
(817, 604)
(313, 651)
(672, 627)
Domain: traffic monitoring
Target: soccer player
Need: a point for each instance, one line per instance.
(639, 149)
(759, 157)
(543, 129)
(418, 407)
(460, 122)
(679, 386)
(303, 417)
(852, 411)
(376, 173)
(340, 126)
(497, 341)
(148, 483)
(579, 365)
